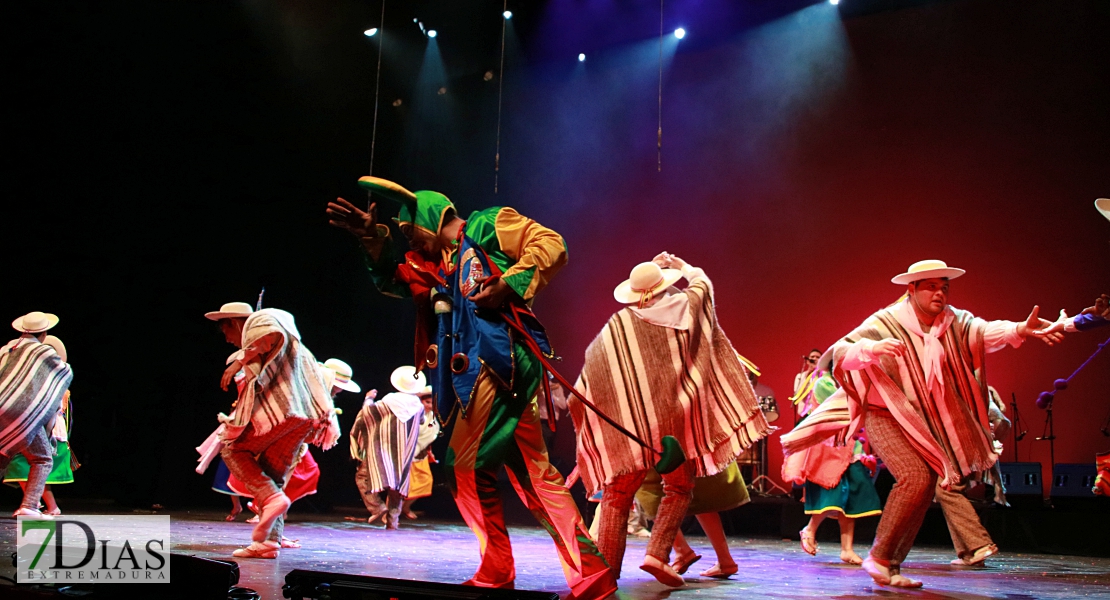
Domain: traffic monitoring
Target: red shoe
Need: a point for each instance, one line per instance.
(595, 587)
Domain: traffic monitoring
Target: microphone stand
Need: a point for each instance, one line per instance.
(1017, 424)
(1049, 435)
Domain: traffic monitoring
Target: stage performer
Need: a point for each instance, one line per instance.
(64, 461)
(420, 485)
(33, 380)
(913, 374)
(468, 277)
(661, 366)
(837, 479)
(383, 440)
(282, 404)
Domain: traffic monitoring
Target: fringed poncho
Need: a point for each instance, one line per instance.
(659, 381)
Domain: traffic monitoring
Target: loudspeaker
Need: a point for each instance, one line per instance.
(1022, 478)
(301, 584)
(1073, 480)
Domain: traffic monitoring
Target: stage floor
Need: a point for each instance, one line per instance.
(769, 568)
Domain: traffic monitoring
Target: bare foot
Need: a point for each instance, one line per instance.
(850, 557)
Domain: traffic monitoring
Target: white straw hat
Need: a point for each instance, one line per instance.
(927, 269)
(58, 347)
(646, 279)
(343, 373)
(231, 310)
(35, 322)
(1103, 206)
(407, 381)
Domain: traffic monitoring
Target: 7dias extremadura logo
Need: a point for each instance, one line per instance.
(90, 548)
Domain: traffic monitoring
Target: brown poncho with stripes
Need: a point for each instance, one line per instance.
(659, 381)
(949, 430)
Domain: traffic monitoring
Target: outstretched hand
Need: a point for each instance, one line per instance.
(1057, 327)
(1035, 323)
(345, 215)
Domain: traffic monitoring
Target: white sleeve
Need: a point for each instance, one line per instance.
(998, 334)
(859, 356)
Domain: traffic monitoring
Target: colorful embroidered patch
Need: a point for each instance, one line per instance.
(470, 272)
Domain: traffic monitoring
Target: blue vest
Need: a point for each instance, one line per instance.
(470, 337)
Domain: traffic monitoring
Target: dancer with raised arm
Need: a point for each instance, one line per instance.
(465, 276)
(663, 367)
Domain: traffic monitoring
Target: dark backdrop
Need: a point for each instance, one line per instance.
(165, 158)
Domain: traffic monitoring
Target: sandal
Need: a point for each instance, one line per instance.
(809, 543)
(31, 513)
(682, 563)
(720, 572)
(976, 558)
(288, 543)
(265, 549)
(662, 572)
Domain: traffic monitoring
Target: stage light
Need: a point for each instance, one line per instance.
(834, 2)
(397, 102)
(581, 58)
(488, 76)
(432, 33)
(370, 32)
(507, 14)
(680, 33)
(441, 91)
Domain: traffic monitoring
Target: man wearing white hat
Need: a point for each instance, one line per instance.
(264, 433)
(35, 379)
(913, 375)
(662, 366)
(384, 439)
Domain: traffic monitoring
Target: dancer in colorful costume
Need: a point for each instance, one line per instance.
(837, 479)
(383, 440)
(913, 374)
(282, 404)
(33, 380)
(65, 463)
(468, 277)
(420, 485)
(661, 366)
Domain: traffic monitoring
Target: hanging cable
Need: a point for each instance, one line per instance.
(377, 88)
(659, 133)
(500, 88)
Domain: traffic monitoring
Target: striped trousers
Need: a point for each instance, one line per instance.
(264, 462)
(38, 449)
(915, 484)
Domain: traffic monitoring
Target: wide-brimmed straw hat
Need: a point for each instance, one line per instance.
(927, 269)
(35, 322)
(407, 381)
(343, 374)
(58, 347)
(646, 280)
(231, 310)
(1103, 206)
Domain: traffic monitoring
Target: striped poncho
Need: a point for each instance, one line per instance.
(659, 381)
(385, 442)
(283, 384)
(33, 380)
(950, 430)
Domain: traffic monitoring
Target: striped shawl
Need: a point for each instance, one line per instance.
(659, 381)
(33, 380)
(950, 432)
(387, 445)
(285, 384)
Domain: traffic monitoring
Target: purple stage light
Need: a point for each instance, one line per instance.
(680, 33)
